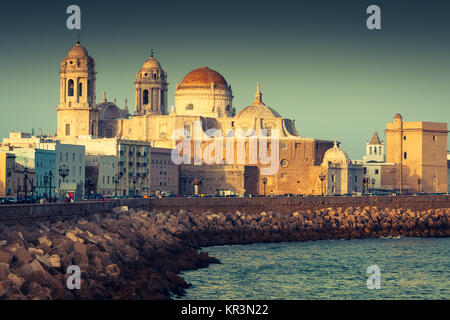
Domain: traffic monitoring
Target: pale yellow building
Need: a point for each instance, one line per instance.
(7, 185)
(418, 151)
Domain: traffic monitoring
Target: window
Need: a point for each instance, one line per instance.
(434, 138)
(404, 137)
(73, 157)
(284, 163)
(187, 129)
(332, 178)
(70, 85)
(333, 189)
(370, 150)
(283, 177)
(269, 131)
(284, 145)
(356, 178)
(80, 89)
(67, 129)
(376, 171)
(190, 106)
(145, 97)
(365, 170)
(405, 155)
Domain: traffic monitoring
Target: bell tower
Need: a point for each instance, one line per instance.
(151, 89)
(77, 113)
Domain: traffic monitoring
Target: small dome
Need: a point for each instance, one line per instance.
(151, 64)
(78, 51)
(398, 116)
(335, 155)
(203, 77)
(258, 111)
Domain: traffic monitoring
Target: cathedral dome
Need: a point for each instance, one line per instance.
(78, 51)
(258, 111)
(203, 77)
(151, 64)
(335, 155)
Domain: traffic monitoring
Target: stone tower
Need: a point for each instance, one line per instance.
(374, 149)
(151, 89)
(77, 114)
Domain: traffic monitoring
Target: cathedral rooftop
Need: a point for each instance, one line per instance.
(203, 77)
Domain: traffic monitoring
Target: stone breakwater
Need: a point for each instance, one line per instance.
(128, 254)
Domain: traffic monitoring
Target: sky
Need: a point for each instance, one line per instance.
(316, 60)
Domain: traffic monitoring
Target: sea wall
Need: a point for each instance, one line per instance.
(28, 212)
(136, 254)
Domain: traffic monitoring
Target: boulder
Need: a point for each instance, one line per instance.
(4, 270)
(6, 255)
(22, 255)
(45, 240)
(112, 271)
(15, 280)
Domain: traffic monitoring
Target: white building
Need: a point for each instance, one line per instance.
(342, 176)
(101, 172)
(65, 161)
(374, 163)
(132, 161)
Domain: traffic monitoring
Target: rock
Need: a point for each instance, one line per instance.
(73, 237)
(22, 255)
(35, 252)
(45, 240)
(54, 261)
(30, 268)
(4, 270)
(6, 255)
(16, 281)
(121, 209)
(112, 271)
(44, 227)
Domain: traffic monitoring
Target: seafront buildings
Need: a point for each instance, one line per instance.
(415, 160)
(133, 153)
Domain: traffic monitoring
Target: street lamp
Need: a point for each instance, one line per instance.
(116, 181)
(419, 181)
(45, 185)
(322, 177)
(134, 179)
(373, 184)
(366, 184)
(63, 172)
(50, 177)
(264, 181)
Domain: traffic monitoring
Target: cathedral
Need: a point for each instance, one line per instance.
(203, 96)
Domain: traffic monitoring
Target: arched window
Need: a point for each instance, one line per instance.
(89, 88)
(190, 106)
(70, 85)
(145, 97)
(80, 89)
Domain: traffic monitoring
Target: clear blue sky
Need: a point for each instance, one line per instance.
(316, 61)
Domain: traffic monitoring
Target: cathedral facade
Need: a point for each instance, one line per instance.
(203, 96)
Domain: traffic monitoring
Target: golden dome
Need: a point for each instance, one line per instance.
(203, 77)
(78, 51)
